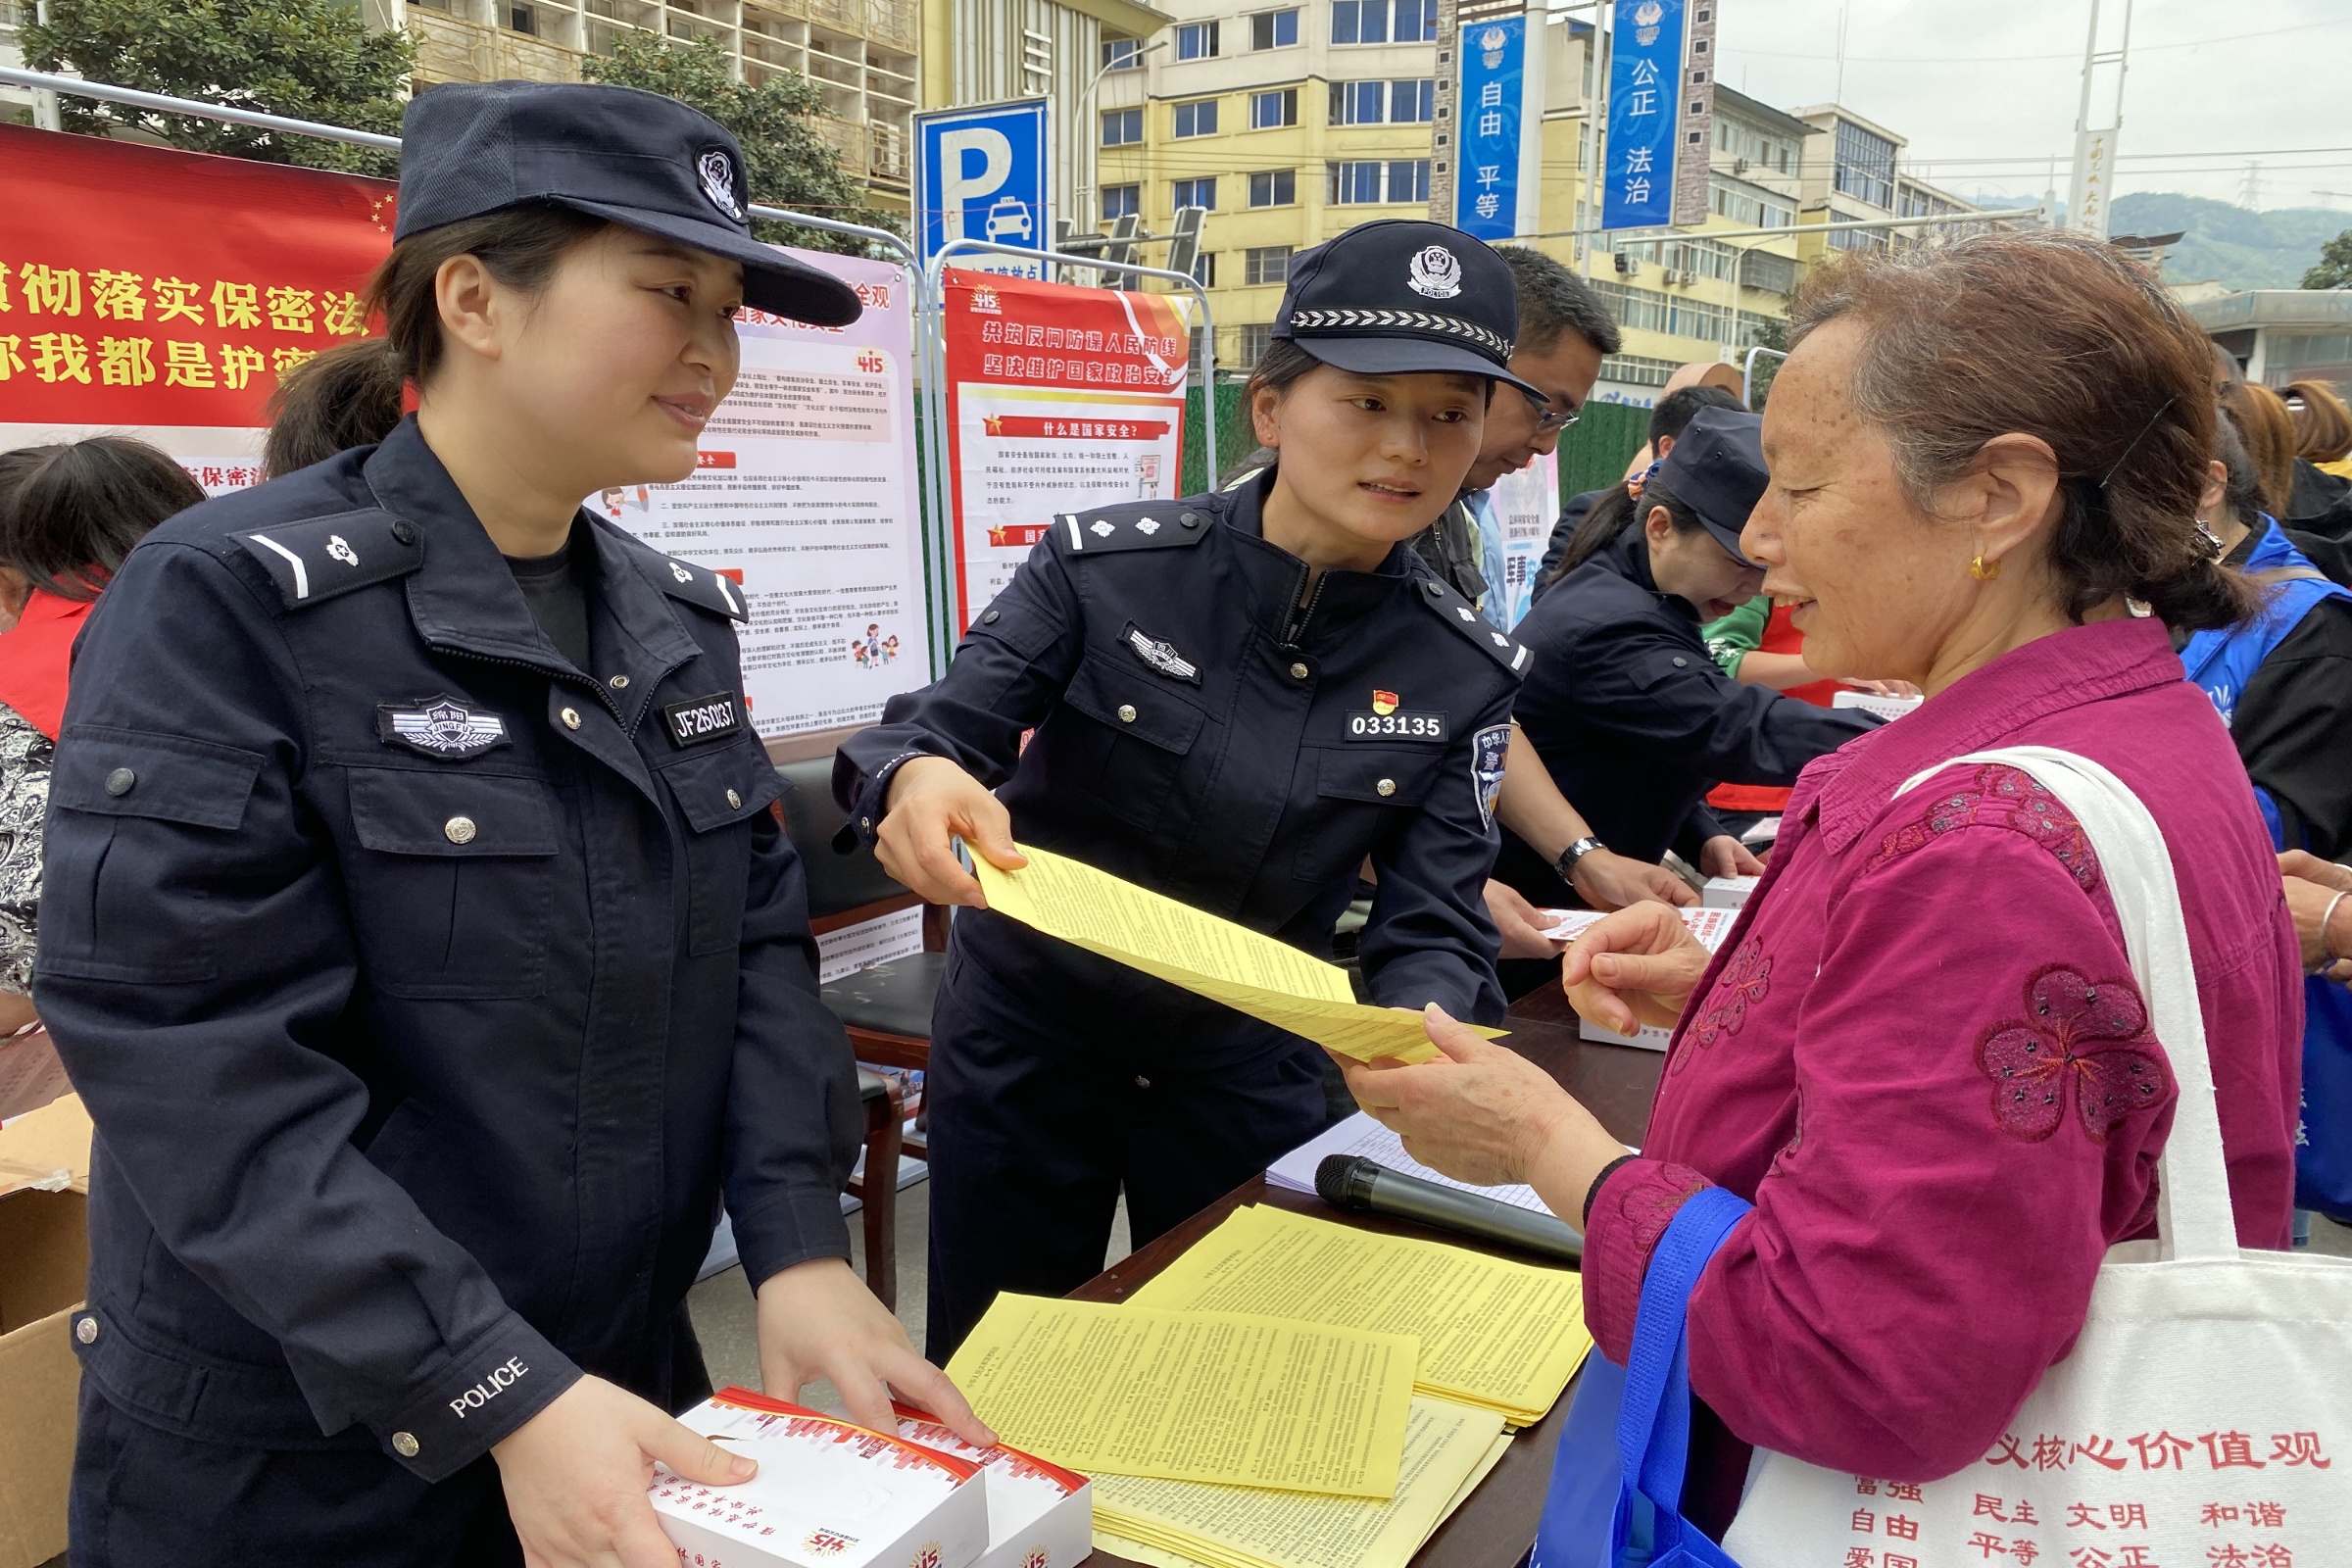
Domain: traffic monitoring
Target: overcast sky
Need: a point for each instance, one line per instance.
(1970, 81)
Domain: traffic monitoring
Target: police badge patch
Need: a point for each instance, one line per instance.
(1160, 654)
(441, 727)
(1488, 748)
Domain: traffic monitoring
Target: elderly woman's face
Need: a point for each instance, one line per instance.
(1877, 587)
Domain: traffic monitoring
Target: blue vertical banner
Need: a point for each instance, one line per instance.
(1493, 90)
(1646, 71)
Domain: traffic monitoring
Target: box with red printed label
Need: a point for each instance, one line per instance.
(1709, 925)
(1038, 1514)
(828, 1494)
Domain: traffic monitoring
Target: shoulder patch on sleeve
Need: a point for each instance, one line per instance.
(1450, 606)
(320, 557)
(1136, 526)
(700, 586)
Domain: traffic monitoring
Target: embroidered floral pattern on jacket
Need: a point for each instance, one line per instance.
(2087, 1038)
(1652, 1199)
(1999, 797)
(1744, 983)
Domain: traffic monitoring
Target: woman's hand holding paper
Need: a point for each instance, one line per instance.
(1635, 967)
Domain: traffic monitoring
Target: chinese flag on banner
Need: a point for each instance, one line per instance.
(141, 286)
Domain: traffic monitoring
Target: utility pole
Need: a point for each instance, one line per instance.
(45, 115)
(2249, 194)
(1596, 123)
(2094, 145)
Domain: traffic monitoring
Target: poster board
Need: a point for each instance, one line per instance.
(1059, 398)
(162, 294)
(1523, 506)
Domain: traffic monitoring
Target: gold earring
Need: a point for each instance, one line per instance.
(1983, 570)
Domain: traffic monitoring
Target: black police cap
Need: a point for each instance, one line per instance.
(632, 157)
(1717, 469)
(1398, 296)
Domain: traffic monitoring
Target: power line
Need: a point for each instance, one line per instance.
(2004, 60)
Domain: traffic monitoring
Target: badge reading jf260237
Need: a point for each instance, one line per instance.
(701, 720)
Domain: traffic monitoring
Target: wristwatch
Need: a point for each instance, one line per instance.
(1566, 863)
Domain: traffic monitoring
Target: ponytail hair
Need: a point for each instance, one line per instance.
(70, 514)
(351, 396)
(1616, 510)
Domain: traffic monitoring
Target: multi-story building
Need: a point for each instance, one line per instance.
(860, 54)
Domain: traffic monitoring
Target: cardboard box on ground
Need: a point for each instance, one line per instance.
(44, 1259)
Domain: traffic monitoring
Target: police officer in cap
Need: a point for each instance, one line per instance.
(1625, 708)
(417, 929)
(1236, 697)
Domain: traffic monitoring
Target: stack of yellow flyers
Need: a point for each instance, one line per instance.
(1221, 1398)
(1244, 970)
(1503, 1336)
(1448, 1449)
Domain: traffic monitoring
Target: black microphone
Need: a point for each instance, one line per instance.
(1367, 1187)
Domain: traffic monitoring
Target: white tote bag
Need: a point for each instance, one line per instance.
(2204, 1418)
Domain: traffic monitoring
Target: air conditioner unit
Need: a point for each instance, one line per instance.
(1739, 166)
(1675, 274)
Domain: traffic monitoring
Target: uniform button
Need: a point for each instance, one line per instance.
(1385, 787)
(571, 717)
(1126, 712)
(619, 683)
(120, 781)
(866, 823)
(734, 801)
(403, 533)
(1142, 1082)
(459, 830)
(991, 618)
(1191, 519)
(86, 1330)
(1300, 672)
(1436, 589)
(1680, 663)
(405, 1444)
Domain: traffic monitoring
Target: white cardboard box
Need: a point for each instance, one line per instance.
(1727, 892)
(1709, 922)
(1038, 1514)
(1886, 707)
(828, 1494)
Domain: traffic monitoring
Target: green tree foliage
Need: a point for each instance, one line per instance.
(786, 162)
(304, 58)
(2335, 265)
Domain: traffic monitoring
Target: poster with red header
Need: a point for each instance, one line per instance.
(164, 293)
(1058, 399)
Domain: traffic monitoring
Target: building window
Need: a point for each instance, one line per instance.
(1274, 30)
(1412, 103)
(1256, 337)
(1204, 270)
(1368, 182)
(1123, 127)
(1269, 110)
(1359, 103)
(1122, 54)
(1201, 193)
(1274, 187)
(1865, 164)
(1416, 21)
(1384, 20)
(1122, 201)
(1197, 41)
(1748, 206)
(523, 19)
(1857, 239)
(1196, 119)
(1265, 264)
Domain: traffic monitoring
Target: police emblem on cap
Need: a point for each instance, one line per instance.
(717, 171)
(1436, 272)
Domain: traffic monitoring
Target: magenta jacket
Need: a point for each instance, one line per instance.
(1921, 1054)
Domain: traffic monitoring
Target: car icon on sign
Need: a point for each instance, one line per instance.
(1010, 218)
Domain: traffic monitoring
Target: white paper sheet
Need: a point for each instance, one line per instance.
(1360, 1134)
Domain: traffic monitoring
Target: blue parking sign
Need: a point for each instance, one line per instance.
(985, 172)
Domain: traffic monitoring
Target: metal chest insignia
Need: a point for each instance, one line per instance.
(440, 727)
(1159, 655)
(1488, 749)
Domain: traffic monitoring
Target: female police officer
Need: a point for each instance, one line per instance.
(1236, 697)
(416, 930)
(1626, 709)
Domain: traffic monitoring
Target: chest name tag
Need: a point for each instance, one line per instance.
(440, 727)
(1401, 725)
(699, 720)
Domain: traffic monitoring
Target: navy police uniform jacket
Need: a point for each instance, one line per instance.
(1200, 732)
(1637, 722)
(425, 990)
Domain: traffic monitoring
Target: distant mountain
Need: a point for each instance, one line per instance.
(2239, 249)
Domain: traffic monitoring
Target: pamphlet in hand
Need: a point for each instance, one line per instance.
(1710, 925)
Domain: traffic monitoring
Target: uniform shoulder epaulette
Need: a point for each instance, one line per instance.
(700, 586)
(1462, 615)
(318, 558)
(1135, 525)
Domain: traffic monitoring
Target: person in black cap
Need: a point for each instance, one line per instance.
(1236, 700)
(1625, 708)
(416, 930)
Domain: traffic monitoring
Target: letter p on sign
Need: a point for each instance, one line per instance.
(959, 184)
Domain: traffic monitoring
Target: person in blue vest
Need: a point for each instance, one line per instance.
(416, 931)
(1236, 698)
(2283, 682)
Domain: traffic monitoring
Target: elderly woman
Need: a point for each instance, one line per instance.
(1921, 1053)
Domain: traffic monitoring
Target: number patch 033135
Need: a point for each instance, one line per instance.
(1401, 725)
